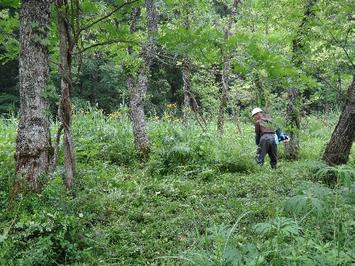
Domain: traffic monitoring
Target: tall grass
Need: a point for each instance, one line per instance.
(200, 199)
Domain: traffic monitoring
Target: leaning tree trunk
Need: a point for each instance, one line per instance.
(293, 122)
(33, 148)
(64, 110)
(226, 70)
(190, 102)
(338, 149)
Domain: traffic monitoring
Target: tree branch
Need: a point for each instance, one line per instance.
(342, 46)
(105, 17)
(105, 43)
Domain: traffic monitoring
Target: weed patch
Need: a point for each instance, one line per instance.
(200, 199)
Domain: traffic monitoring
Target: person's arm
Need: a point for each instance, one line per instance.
(257, 133)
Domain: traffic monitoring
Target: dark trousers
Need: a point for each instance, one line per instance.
(267, 145)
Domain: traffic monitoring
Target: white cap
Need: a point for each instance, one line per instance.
(255, 111)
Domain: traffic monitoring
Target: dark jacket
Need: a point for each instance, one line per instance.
(263, 126)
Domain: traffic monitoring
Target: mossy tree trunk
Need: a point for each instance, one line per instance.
(294, 103)
(33, 146)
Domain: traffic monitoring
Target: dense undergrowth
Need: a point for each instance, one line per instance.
(198, 200)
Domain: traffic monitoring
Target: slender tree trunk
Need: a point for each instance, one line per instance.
(226, 71)
(186, 70)
(137, 88)
(190, 104)
(262, 98)
(138, 84)
(224, 93)
(293, 107)
(293, 120)
(186, 77)
(339, 95)
(136, 100)
(33, 147)
(338, 149)
(64, 110)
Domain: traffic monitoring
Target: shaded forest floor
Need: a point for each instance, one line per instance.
(198, 200)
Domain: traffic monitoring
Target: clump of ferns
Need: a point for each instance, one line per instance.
(324, 211)
(340, 175)
(311, 198)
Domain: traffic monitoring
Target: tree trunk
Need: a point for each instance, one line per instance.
(224, 94)
(186, 77)
(64, 110)
(138, 83)
(261, 98)
(339, 96)
(33, 148)
(190, 102)
(137, 88)
(293, 106)
(293, 122)
(338, 149)
(151, 19)
(186, 70)
(149, 50)
(226, 70)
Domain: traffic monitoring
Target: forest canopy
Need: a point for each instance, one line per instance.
(263, 65)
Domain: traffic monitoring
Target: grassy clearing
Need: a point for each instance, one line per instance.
(199, 200)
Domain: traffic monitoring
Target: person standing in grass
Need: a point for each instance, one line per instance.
(264, 138)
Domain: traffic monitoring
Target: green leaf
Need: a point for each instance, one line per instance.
(11, 3)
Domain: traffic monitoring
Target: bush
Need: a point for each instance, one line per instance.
(45, 230)
(195, 153)
(102, 138)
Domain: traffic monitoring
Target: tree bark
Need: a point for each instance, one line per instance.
(64, 111)
(340, 95)
(226, 70)
(186, 71)
(293, 106)
(293, 122)
(339, 147)
(151, 19)
(33, 146)
(186, 77)
(137, 87)
(138, 83)
(224, 93)
(261, 98)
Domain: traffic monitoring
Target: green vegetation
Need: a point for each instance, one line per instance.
(155, 165)
(198, 200)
